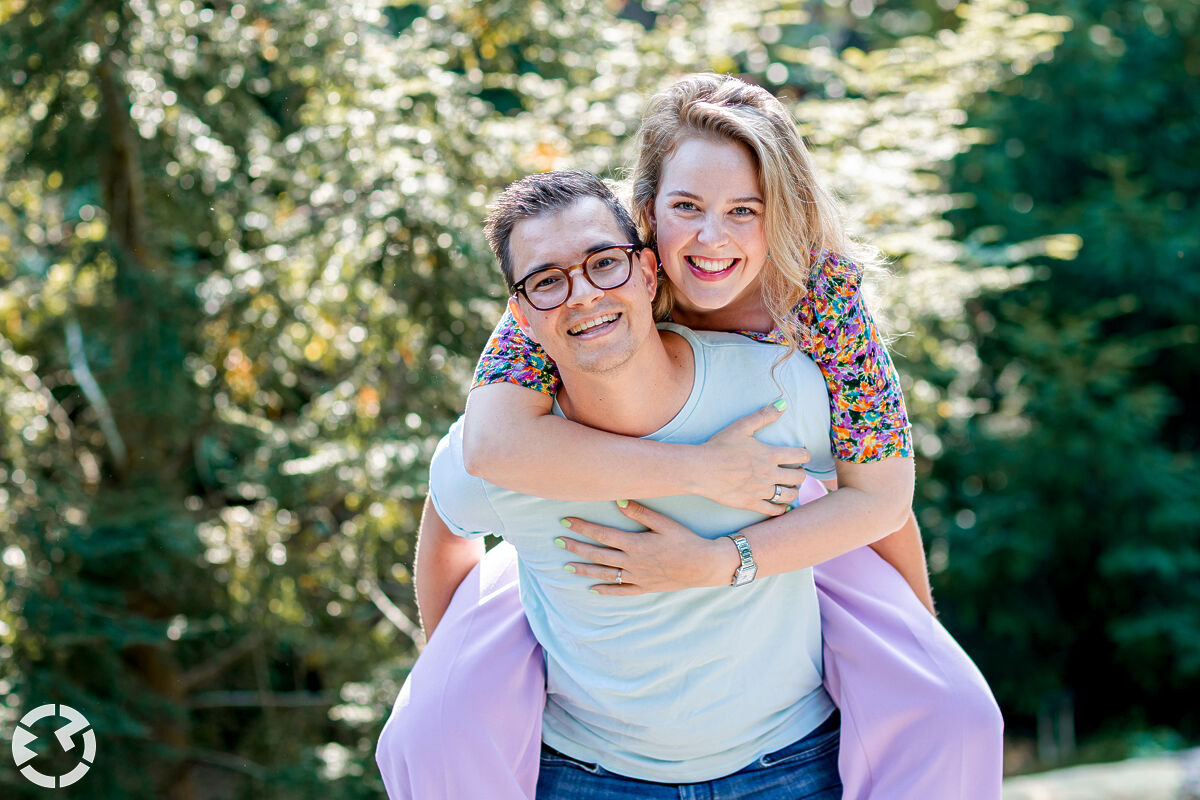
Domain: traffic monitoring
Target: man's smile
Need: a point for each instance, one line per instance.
(595, 325)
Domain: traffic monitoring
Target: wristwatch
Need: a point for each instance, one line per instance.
(748, 569)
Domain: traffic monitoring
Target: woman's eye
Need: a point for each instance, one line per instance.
(742, 211)
(684, 205)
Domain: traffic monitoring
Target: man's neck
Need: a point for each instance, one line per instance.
(637, 398)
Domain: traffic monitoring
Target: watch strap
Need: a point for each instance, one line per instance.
(747, 569)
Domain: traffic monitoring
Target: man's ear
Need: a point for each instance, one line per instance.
(521, 320)
(648, 264)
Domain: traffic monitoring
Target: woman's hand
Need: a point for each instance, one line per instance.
(735, 469)
(665, 558)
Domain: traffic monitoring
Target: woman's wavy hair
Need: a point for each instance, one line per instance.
(801, 222)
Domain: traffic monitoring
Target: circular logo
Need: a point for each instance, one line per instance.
(76, 724)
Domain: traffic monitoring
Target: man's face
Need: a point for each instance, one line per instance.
(570, 334)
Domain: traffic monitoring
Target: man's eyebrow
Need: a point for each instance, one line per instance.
(747, 199)
(594, 248)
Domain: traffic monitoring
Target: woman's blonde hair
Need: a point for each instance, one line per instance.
(801, 219)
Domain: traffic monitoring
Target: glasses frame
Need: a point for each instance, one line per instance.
(629, 250)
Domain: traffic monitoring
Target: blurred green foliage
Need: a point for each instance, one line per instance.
(1080, 570)
(242, 287)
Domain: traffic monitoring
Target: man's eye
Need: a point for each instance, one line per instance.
(607, 262)
(546, 283)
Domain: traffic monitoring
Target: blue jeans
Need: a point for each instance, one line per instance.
(804, 770)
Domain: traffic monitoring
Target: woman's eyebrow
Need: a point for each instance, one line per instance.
(684, 193)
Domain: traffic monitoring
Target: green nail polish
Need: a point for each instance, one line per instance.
(566, 523)
(780, 404)
(593, 591)
(558, 540)
(569, 568)
(623, 503)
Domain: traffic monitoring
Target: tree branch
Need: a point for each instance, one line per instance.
(91, 390)
(210, 669)
(393, 613)
(257, 699)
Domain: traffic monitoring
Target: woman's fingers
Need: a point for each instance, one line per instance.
(757, 420)
(653, 520)
(791, 456)
(603, 534)
(618, 590)
(607, 556)
(771, 509)
(600, 572)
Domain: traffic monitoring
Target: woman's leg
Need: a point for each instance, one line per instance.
(468, 721)
(918, 718)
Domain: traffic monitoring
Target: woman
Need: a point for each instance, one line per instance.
(749, 242)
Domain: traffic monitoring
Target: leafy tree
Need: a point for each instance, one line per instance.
(243, 287)
(1067, 501)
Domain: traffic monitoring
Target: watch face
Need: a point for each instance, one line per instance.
(744, 575)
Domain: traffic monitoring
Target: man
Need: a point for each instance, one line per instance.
(718, 689)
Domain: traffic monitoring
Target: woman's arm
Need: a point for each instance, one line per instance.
(509, 432)
(873, 501)
(443, 560)
(904, 551)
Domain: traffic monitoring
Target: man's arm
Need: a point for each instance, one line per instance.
(442, 561)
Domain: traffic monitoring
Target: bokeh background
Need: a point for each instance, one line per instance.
(243, 285)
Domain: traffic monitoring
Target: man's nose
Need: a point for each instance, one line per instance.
(582, 290)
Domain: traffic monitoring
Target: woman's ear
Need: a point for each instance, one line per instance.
(519, 316)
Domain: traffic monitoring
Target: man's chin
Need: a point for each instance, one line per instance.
(598, 362)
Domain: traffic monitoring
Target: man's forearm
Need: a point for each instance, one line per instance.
(442, 561)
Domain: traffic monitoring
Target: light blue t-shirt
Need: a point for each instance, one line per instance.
(683, 686)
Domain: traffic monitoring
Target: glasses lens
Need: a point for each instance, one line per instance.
(609, 268)
(548, 289)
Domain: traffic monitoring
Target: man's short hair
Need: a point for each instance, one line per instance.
(545, 192)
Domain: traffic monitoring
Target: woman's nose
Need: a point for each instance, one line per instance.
(712, 231)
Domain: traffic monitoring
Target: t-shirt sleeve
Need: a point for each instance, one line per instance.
(868, 419)
(459, 498)
(512, 357)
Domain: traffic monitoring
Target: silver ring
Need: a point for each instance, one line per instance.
(619, 571)
(778, 493)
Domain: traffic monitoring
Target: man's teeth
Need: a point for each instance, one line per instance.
(592, 323)
(711, 264)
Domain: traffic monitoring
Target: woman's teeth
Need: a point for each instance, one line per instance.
(711, 264)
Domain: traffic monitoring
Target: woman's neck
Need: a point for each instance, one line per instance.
(743, 314)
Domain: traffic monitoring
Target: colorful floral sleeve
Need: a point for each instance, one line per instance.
(512, 357)
(869, 421)
(868, 418)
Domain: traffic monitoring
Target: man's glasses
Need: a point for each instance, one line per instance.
(549, 287)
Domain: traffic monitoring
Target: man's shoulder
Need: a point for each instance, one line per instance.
(735, 351)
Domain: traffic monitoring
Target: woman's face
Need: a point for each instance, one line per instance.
(708, 219)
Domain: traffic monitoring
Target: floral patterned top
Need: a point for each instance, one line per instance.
(868, 418)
